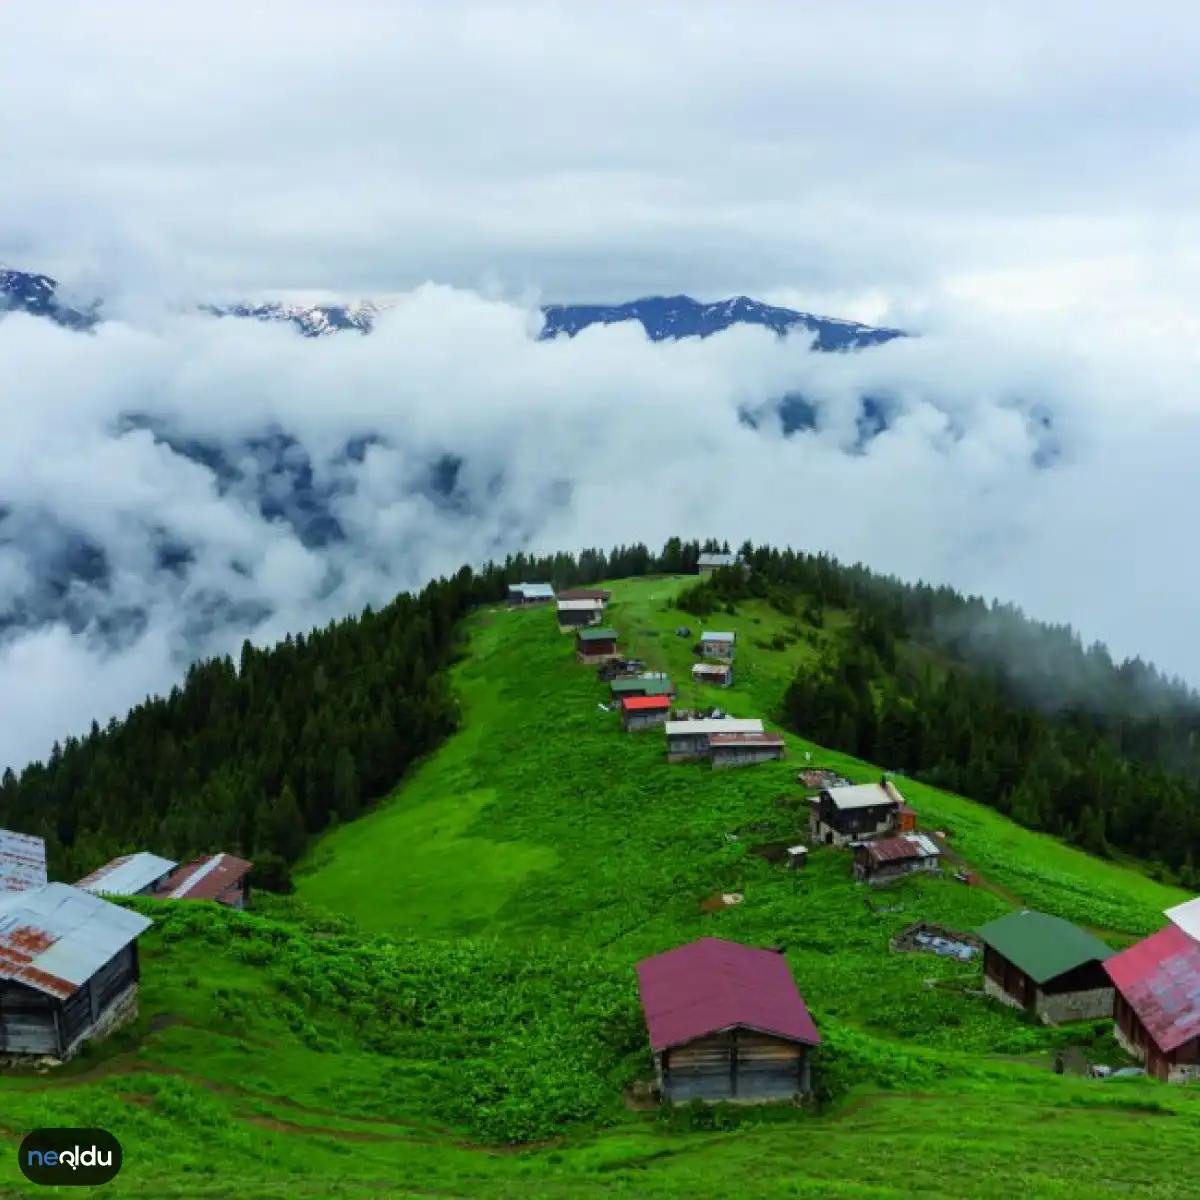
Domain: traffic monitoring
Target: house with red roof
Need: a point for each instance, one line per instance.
(220, 877)
(644, 712)
(1157, 1008)
(726, 1022)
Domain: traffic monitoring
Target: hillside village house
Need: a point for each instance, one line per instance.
(130, 875)
(220, 877)
(884, 859)
(726, 1022)
(521, 595)
(1047, 966)
(687, 740)
(1187, 917)
(593, 594)
(579, 614)
(716, 674)
(642, 685)
(1157, 1008)
(708, 563)
(644, 712)
(22, 862)
(745, 749)
(68, 969)
(717, 645)
(596, 645)
(841, 815)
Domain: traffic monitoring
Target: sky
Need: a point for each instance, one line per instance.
(1016, 181)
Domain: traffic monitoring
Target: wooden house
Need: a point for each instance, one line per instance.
(642, 685)
(717, 645)
(885, 859)
(596, 645)
(1047, 966)
(708, 563)
(841, 815)
(68, 969)
(1157, 1008)
(716, 674)
(726, 1022)
(130, 875)
(579, 614)
(594, 594)
(745, 749)
(522, 595)
(22, 862)
(220, 877)
(644, 712)
(688, 740)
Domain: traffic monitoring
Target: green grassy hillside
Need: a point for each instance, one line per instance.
(455, 977)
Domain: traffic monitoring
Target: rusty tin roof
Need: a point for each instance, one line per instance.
(127, 875)
(206, 878)
(54, 938)
(22, 862)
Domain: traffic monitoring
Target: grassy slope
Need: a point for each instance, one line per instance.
(564, 851)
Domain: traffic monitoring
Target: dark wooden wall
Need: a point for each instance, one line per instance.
(739, 1064)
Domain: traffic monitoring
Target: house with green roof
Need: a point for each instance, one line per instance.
(596, 645)
(1047, 966)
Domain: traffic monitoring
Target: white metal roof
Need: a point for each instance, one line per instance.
(717, 560)
(127, 876)
(22, 861)
(861, 795)
(797, 849)
(54, 938)
(721, 725)
(927, 846)
(1186, 916)
(717, 637)
(710, 668)
(533, 589)
(580, 605)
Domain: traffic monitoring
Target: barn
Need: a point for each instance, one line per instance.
(841, 815)
(68, 969)
(22, 862)
(693, 739)
(717, 645)
(885, 859)
(745, 749)
(521, 595)
(716, 674)
(644, 712)
(219, 877)
(596, 645)
(726, 1022)
(1157, 1007)
(1047, 966)
(130, 875)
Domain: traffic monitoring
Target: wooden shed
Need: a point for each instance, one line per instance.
(726, 1022)
(68, 969)
(1157, 1007)
(745, 749)
(717, 645)
(716, 674)
(220, 877)
(644, 712)
(883, 860)
(642, 685)
(1047, 966)
(140, 874)
(596, 645)
(687, 740)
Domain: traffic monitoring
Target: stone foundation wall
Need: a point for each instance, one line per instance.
(122, 1011)
(1092, 1005)
(1129, 1047)
(993, 989)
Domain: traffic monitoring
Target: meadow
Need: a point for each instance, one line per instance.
(448, 1005)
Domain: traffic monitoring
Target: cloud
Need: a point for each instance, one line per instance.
(152, 541)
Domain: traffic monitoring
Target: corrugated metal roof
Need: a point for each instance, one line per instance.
(543, 591)
(747, 739)
(585, 594)
(127, 875)
(861, 795)
(54, 938)
(22, 862)
(718, 637)
(711, 669)
(712, 725)
(717, 560)
(1160, 980)
(1042, 946)
(896, 849)
(207, 877)
(711, 985)
(580, 605)
(651, 687)
(597, 635)
(1186, 916)
(652, 703)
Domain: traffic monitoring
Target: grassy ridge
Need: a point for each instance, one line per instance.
(481, 990)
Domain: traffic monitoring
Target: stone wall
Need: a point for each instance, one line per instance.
(122, 1011)
(993, 989)
(1092, 1005)
(1128, 1046)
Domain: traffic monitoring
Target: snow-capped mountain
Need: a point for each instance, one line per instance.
(662, 317)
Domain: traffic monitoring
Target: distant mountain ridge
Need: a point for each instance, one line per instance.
(662, 317)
